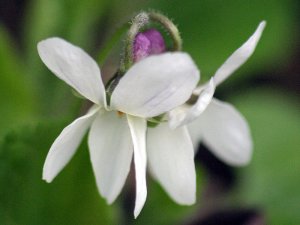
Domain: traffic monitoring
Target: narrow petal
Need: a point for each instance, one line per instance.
(240, 56)
(111, 152)
(225, 131)
(71, 64)
(138, 132)
(66, 144)
(156, 85)
(184, 115)
(171, 160)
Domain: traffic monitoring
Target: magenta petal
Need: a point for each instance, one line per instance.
(156, 40)
(141, 47)
(148, 43)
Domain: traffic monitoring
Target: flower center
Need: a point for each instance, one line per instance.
(120, 114)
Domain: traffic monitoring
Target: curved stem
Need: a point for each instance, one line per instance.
(137, 24)
(171, 28)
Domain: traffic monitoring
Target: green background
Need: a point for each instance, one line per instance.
(35, 106)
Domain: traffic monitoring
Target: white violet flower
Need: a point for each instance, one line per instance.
(218, 124)
(151, 87)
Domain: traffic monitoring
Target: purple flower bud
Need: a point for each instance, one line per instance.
(156, 40)
(148, 43)
(141, 47)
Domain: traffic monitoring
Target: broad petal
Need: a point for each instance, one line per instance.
(156, 85)
(71, 64)
(111, 152)
(66, 144)
(184, 114)
(226, 133)
(171, 161)
(240, 56)
(138, 132)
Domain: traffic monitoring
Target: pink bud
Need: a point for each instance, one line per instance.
(148, 43)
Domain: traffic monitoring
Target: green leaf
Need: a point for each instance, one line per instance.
(72, 198)
(160, 209)
(43, 19)
(213, 30)
(16, 96)
(271, 181)
(85, 21)
(73, 21)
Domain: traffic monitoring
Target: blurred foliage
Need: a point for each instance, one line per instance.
(74, 22)
(213, 30)
(72, 198)
(35, 105)
(161, 210)
(16, 93)
(272, 178)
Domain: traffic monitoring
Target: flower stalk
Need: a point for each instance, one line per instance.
(170, 27)
(138, 22)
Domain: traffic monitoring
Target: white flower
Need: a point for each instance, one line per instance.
(150, 87)
(218, 124)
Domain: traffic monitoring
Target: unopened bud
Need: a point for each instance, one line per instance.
(148, 43)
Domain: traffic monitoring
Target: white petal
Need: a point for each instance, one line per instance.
(71, 64)
(240, 56)
(138, 132)
(111, 152)
(226, 133)
(184, 115)
(66, 144)
(171, 161)
(177, 116)
(156, 85)
(196, 132)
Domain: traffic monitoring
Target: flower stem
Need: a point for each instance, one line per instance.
(138, 22)
(170, 27)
